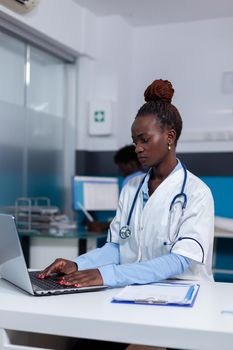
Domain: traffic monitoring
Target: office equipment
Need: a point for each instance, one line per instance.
(13, 266)
(95, 193)
(167, 293)
(100, 117)
(37, 215)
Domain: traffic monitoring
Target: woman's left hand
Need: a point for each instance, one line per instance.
(84, 278)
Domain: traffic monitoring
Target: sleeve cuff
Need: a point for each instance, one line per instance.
(107, 273)
(81, 263)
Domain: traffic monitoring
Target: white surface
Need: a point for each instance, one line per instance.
(223, 227)
(192, 48)
(222, 234)
(198, 94)
(160, 11)
(92, 315)
(96, 193)
(43, 250)
(227, 82)
(158, 293)
(125, 62)
(228, 308)
(77, 33)
(223, 224)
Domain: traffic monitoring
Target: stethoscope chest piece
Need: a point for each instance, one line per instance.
(125, 232)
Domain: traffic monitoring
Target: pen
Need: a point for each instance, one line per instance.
(85, 212)
(227, 312)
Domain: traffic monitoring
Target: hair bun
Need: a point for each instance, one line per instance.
(159, 90)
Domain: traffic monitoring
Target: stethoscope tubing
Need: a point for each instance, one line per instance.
(192, 239)
(184, 203)
(183, 195)
(134, 200)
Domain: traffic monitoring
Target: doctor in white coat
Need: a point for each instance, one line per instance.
(164, 225)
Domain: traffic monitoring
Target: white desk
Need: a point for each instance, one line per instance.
(92, 315)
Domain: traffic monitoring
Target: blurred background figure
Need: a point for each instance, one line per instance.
(127, 161)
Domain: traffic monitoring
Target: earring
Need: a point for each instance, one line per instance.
(169, 147)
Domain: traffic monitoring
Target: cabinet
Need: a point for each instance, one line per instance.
(223, 250)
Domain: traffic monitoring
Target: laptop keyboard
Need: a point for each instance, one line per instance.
(49, 283)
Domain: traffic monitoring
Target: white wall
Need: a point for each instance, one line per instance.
(104, 45)
(108, 77)
(119, 61)
(60, 20)
(193, 57)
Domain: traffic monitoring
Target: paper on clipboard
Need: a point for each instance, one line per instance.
(179, 294)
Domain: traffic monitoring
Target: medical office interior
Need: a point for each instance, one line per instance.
(73, 73)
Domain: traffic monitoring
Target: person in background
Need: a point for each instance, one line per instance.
(164, 224)
(129, 166)
(127, 161)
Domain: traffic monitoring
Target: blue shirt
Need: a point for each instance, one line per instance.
(129, 177)
(114, 274)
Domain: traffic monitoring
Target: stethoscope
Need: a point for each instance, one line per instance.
(125, 231)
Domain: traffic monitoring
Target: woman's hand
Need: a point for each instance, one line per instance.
(58, 266)
(84, 278)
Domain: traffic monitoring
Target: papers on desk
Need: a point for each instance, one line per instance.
(167, 293)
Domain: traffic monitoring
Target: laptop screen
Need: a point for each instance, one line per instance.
(12, 263)
(13, 267)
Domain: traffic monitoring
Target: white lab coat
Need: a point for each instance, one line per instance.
(150, 225)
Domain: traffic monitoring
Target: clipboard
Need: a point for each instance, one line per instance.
(160, 294)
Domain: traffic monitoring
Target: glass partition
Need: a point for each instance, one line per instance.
(45, 157)
(12, 59)
(32, 100)
(45, 88)
(12, 152)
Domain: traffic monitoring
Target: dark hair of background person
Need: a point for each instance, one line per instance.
(158, 97)
(127, 160)
(126, 154)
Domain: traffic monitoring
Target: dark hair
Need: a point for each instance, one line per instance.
(126, 154)
(158, 97)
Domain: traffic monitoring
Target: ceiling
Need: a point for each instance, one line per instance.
(154, 12)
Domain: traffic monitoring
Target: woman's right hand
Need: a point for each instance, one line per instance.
(59, 266)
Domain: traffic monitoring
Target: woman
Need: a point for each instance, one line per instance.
(164, 225)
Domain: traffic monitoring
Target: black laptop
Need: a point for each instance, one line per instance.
(13, 267)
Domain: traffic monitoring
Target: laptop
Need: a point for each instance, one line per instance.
(13, 266)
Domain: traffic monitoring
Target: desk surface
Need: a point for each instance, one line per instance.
(76, 233)
(92, 315)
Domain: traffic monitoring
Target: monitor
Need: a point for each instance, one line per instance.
(95, 193)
